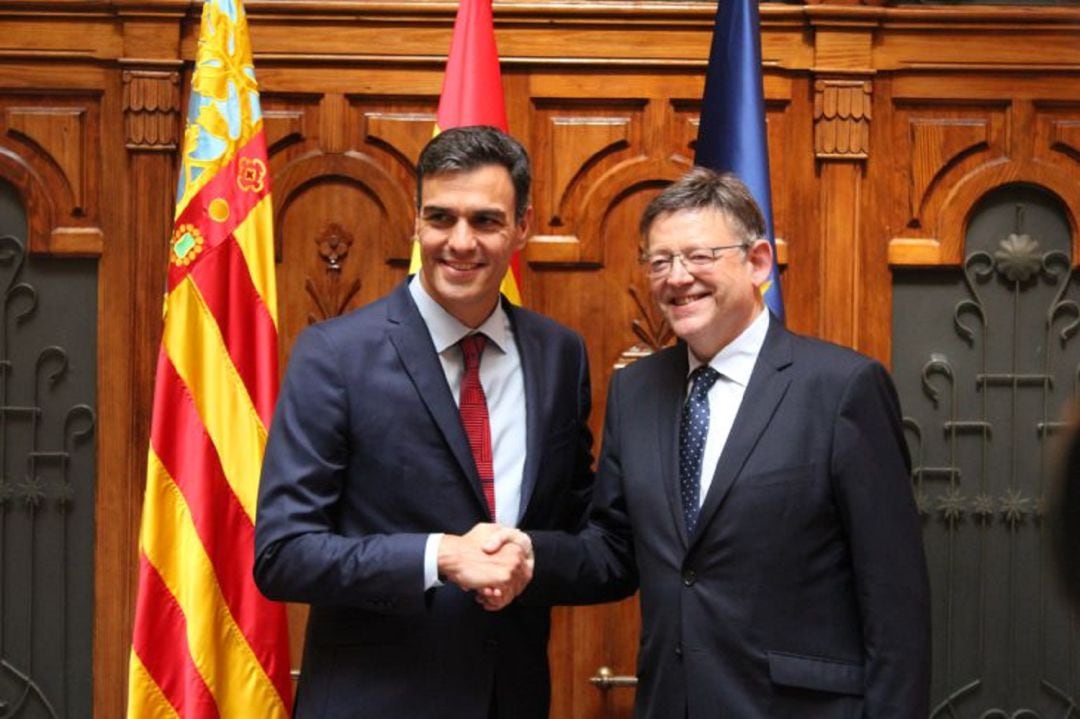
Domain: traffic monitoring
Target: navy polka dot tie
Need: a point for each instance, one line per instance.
(693, 430)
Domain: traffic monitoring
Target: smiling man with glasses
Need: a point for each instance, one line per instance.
(754, 484)
(711, 225)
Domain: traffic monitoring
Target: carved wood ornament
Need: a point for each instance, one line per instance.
(842, 119)
(151, 110)
(330, 296)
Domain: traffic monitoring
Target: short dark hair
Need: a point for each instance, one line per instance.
(463, 149)
(702, 188)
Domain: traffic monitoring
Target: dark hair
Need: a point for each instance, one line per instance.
(463, 149)
(700, 189)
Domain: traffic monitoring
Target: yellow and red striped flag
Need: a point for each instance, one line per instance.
(472, 94)
(206, 643)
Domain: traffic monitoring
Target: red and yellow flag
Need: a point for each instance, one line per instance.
(472, 94)
(206, 643)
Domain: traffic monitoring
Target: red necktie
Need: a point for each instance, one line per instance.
(474, 415)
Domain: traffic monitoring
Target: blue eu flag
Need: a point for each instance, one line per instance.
(731, 136)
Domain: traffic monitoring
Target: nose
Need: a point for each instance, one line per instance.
(678, 274)
(462, 239)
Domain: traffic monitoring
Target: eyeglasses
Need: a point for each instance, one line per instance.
(699, 259)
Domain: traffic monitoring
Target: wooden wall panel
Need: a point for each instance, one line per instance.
(886, 125)
(58, 141)
(343, 203)
(957, 141)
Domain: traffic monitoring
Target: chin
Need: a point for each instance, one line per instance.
(458, 285)
(687, 326)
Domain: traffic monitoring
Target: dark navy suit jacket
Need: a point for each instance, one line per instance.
(367, 456)
(803, 590)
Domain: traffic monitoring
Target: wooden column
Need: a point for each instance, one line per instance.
(141, 187)
(151, 124)
(842, 86)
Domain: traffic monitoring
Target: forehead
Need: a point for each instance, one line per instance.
(698, 227)
(487, 185)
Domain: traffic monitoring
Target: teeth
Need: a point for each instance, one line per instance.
(680, 301)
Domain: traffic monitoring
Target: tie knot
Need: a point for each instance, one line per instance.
(472, 346)
(703, 378)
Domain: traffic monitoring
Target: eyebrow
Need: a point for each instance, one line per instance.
(483, 212)
(490, 212)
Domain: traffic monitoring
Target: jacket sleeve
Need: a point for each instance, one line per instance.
(871, 471)
(597, 563)
(299, 554)
(578, 495)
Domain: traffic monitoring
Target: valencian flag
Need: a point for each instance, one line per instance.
(731, 136)
(472, 94)
(206, 643)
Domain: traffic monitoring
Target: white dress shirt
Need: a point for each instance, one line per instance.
(735, 362)
(504, 389)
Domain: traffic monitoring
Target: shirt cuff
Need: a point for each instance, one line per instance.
(431, 562)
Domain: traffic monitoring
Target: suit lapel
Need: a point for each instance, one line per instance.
(529, 351)
(671, 386)
(412, 341)
(768, 384)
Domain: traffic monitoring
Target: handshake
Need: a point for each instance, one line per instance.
(494, 561)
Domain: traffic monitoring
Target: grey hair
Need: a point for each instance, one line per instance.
(702, 188)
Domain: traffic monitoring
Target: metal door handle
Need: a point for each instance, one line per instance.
(606, 679)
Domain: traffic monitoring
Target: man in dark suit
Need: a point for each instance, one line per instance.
(755, 484)
(374, 475)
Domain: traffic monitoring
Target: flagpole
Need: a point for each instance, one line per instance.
(732, 134)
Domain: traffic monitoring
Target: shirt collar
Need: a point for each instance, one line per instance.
(446, 330)
(736, 360)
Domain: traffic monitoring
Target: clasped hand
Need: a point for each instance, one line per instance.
(494, 561)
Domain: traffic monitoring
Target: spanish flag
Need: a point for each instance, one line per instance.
(472, 94)
(205, 642)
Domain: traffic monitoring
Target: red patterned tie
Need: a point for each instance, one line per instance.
(474, 415)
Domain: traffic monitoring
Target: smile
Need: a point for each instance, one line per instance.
(462, 266)
(682, 301)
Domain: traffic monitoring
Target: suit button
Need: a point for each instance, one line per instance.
(678, 651)
(688, 577)
(491, 644)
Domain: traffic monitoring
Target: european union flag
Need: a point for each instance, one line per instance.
(731, 137)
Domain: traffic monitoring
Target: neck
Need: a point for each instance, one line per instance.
(470, 314)
(472, 320)
(705, 351)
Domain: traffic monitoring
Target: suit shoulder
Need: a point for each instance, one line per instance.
(842, 360)
(542, 324)
(660, 362)
(355, 325)
(831, 368)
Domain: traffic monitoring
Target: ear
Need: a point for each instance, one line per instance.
(523, 228)
(760, 257)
